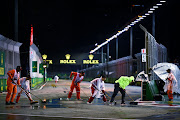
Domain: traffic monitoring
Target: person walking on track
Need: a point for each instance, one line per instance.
(78, 77)
(56, 78)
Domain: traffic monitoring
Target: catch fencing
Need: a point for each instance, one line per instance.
(155, 53)
(113, 69)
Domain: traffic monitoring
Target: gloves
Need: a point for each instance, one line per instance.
(13, 82)
(103, 91)
(75, 83)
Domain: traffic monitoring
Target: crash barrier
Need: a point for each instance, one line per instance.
(48, 79)
(9, 59)
(113, 69)
(36, 81)
(3, 85)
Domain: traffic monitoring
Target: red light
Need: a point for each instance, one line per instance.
(31, 37)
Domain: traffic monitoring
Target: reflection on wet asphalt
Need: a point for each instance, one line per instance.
(51, 103)
(21, 117)
(57, 103)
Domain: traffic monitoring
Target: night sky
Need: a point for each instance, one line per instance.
(73, 26)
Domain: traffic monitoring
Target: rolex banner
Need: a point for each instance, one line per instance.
(2, 63)
(34, 66)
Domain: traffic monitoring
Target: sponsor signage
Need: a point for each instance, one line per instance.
(67, 61)
(34, 66)
(91, 61)
(2, 63)
(41, 69)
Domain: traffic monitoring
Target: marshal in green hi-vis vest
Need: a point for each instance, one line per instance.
(124, 81)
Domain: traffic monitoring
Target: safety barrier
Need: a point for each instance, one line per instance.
(48, 79)
(3, 85)
(9, 59)
(38, 81)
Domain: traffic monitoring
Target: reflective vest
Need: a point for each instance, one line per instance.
(124, 81)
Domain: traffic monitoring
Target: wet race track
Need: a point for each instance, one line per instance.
(58, 107)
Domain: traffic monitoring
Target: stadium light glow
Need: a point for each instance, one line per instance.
(155, 7)
(140, 17)
(152, 9)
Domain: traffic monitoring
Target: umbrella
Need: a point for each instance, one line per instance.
(142, 77)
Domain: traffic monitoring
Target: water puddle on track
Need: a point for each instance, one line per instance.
(56, 103)
(50, 103)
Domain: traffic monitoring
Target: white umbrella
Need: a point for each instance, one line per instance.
(160, 70)
(142, 77)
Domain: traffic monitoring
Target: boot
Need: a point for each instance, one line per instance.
(7, 103)
(12, 103)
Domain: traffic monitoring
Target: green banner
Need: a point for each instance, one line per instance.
(34, 66)
(41, 69)
(2, 63)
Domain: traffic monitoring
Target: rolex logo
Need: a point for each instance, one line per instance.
(68, 56)
(91, 56)
(67, 61)
(91, 61)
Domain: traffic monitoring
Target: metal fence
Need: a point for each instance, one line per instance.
(113, 69)
(10, 58)
(156, 52)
